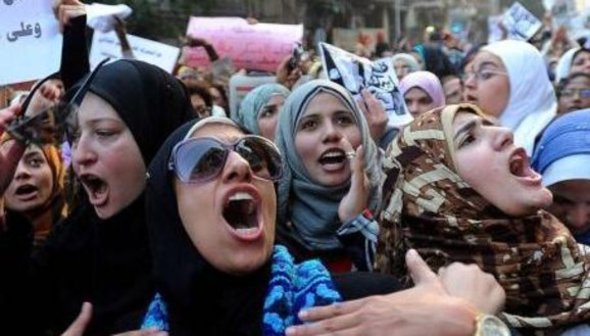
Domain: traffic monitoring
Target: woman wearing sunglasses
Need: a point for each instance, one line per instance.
(459, 189)
(332, 174)
(211, 209)
(509, 81)
(100, 252)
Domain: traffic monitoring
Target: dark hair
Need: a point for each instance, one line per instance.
(582, 50)
(201, 89)
(222, 92)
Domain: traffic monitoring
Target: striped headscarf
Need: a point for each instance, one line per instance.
(429, 207)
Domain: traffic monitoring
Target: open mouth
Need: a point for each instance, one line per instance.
(26, 192)
(241, 213)
(519, 165)
(95, 187)
(332, 157)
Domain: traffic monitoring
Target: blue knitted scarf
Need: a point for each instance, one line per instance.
(292, 288)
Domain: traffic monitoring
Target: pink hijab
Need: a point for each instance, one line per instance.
(426, 81)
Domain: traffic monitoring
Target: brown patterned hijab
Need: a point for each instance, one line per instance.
(429, 207)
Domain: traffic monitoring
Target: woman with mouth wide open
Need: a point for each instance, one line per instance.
(459, 189)
(332, 176)
(100, 252)
(211, 212)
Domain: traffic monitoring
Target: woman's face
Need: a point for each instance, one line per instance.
(32, 184)
(199, 106)
(487, 159)
(213, 212)
(418, 101)
(487, 83)
(268, 117)
(326, 132)
(581, 63)
(571, 204)
(402, 68)
(106, 158)
(575, 95)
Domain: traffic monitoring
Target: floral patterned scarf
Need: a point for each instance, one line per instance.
(429, 207)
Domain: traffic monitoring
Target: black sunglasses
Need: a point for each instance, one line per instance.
(202, 159)
(52, 124)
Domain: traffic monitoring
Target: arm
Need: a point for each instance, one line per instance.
(200, 42)
(415, 311)
(74, 60)
(122, 36)
(10, 151)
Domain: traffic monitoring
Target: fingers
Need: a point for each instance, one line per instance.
(7, 115)
(333, 310)
(78, 327)
(419, 270)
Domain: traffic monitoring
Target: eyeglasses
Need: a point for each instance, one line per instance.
(52, 124)
(482, 74)
(583, 93)
(202, 159)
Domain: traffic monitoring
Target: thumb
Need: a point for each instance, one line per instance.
(78, 327)
(419, 270)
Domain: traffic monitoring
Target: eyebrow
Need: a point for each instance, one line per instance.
(470, 125)
(487, 63)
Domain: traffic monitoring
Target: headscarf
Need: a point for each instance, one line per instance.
(563, 152)
(564, 65)
(108, 261)
(56, 201)
(429, 207)
(312, 208)
(408, 59)
(532, 103)
(426, 81)
(250, 108)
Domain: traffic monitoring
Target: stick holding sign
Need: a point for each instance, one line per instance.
(356, 73)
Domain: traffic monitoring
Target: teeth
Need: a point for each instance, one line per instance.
(332, 154)
(240, 196)
(247, 231)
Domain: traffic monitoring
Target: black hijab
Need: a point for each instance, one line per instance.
(201, 300)
(108, 262)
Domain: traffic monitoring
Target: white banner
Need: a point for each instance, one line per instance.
(107, 45)
(355, 73)
(520, 23)
(30, 41)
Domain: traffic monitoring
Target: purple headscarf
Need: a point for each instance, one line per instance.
(426, 81)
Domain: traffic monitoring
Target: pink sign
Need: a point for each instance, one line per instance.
(260, 46)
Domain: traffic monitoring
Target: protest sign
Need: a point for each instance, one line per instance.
(520, 23)
(107, 45)
(30, 41)
(260, 46)
(494, 31)
(102, 17)
(356, 73)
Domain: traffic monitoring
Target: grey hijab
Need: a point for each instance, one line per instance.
(312, 208)
(250, 108)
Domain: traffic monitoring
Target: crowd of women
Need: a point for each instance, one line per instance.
(134, 202)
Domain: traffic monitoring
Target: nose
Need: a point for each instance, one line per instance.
(236, 169)
(503, 137)
(331, 133)
(22, 171)
(82, 152)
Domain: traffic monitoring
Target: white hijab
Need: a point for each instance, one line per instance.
(532, 103)
(564, 65)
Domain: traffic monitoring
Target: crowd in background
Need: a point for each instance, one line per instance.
(299, 210)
